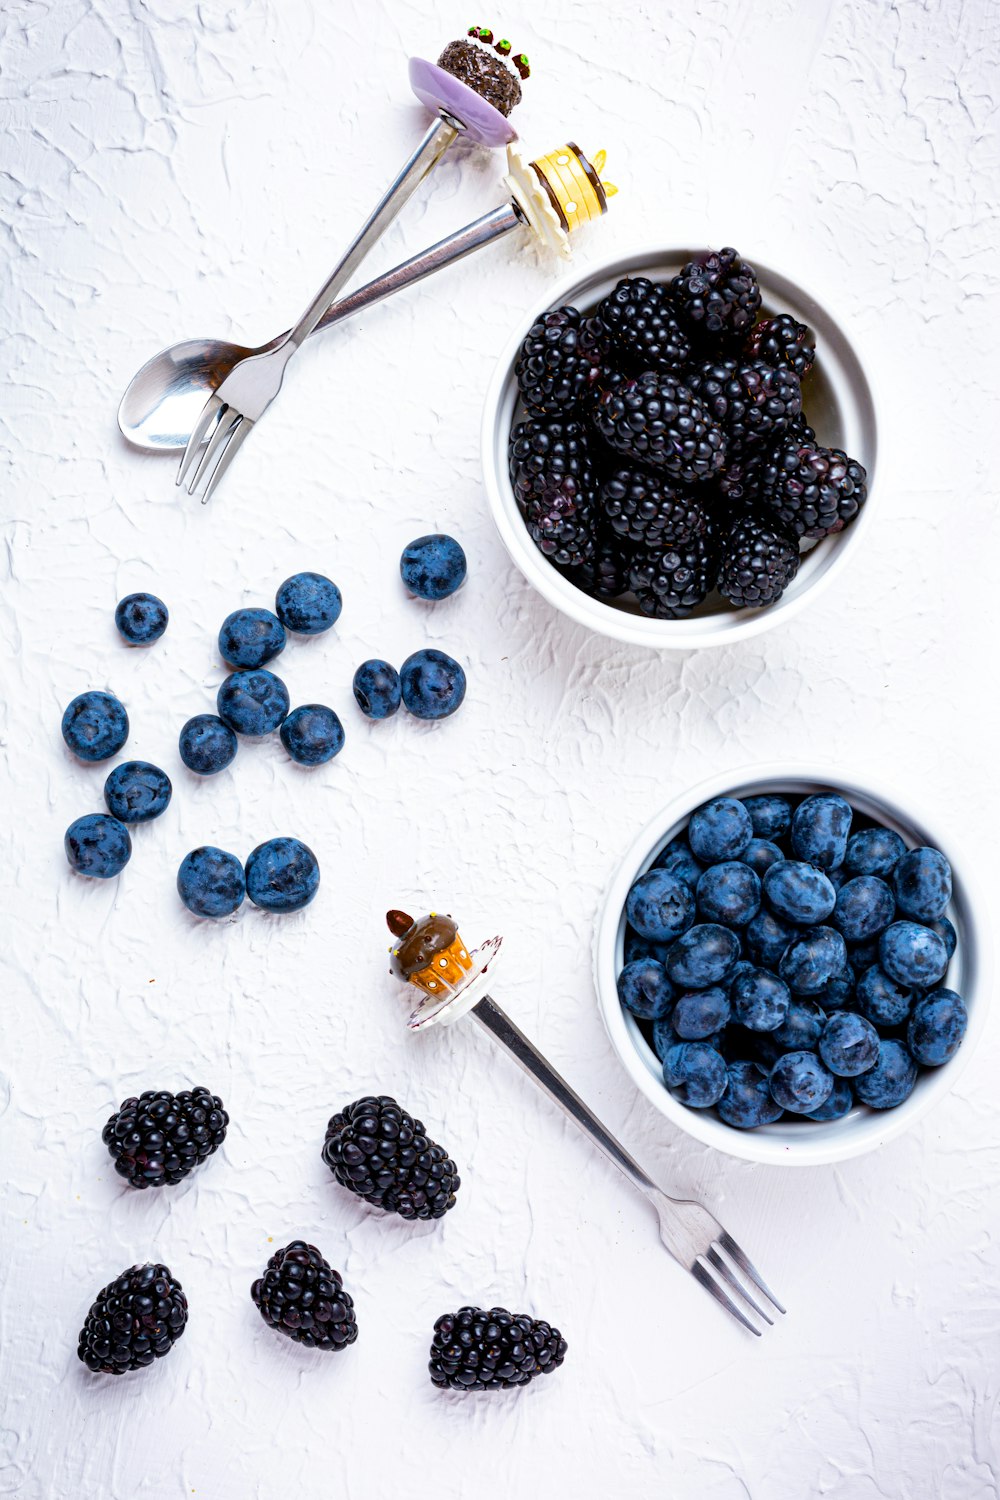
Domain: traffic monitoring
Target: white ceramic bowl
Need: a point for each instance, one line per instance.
(790, 1142)
(840, 407)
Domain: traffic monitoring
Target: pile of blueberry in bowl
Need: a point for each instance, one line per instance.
(789, 968)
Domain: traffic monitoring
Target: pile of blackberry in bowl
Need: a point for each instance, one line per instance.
(688, 444)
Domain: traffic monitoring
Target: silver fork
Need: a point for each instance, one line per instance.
(247, 392)
(694, 1237)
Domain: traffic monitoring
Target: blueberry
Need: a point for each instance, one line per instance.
(210, 882)
(308, 603)
(747, 1102)
(664, 1037)
(812, 960)
(695, 1074)
(141, 618)
(98, 845)
(702, 956)
(839, 1102)
(937, 1027)
(729, 893)
(874, 851)
(698, 1014)
(912, 954)
(849, 1044)
(922, 882)
(865, 907)
(312, 734)
(645, 990)
(678, 859)
(432, 567)
(640, 947)
(251, 637)
(660, 906)
(207, 745)
(863, 955)
(376, 689)
(136, 792)
(770, 815)
(821, 826)
(882, 1000)
(751, 1046)
(95, 726)
(800, 1030)
(432, 684)
(767, 937)
(800, 1083)
(891, 1080)
(760, 855)
(839, 990)
(720, 830)
(253, 702)
(282, 875)
(799, 893)
(946, 933)
(760, 1000)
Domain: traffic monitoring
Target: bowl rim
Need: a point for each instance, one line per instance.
(825, 1145)
(605, 618)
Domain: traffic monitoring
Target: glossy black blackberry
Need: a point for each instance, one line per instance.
(605, 576)
(670, 582)
(740, 485)
(716, 298)
(476, 1350)
(814, 491)
(752, 402)
(160, 1137)
(783, 341)
(385, 1156)
(559, 362)
(639, 324)
(302, 1296)
(759, 561)
(644, 507)
(554, 483)
(137, 1318)
(656, 419)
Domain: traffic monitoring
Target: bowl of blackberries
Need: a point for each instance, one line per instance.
(679, 448)
(791, 967)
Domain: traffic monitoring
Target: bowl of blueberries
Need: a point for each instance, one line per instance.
(792, 967)
(679, 447)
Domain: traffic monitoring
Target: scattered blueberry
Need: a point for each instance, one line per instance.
(698, 1014)
(376, 689)
(720, 830)
(702, 956)
(891, 1080)
(874, 851)
(98, 845)
(816, 957)
(136, 792)
(253, 702)
(821, 826)
(839, 1102)
(800, 1083)
(207, 745)
(282, 875)
(747, 1102)
(912, 954)
(937, 1027)
(645, 990)
(865, 907)
(141, 618)
(799, 893)
(849, 1044)
(767, 937)
(432, 684)
(432, 567)
(729, 893)
(308, 603)
(251, 637)
(770, 815)
(210, 882)
(801, 1028)
(678, 860)
(312, 734)
(882, 1000)
(695, 1074)
(95, 726)
(760, 855)
(760, 1000)
(660, 906)
(922, 882)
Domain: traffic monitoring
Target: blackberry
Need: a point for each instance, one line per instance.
(783, 341)
(670, 582)
(475, 1350)
(716, 298)
(160, 1137)
(740, 486)
(752, 402)
(759, 561)
(554, 483)
(814, 491)
(385, 1156)
(137, 1318)
(655, 418)
(303, 1297)
(559, 362)
(605, 576)
(638, 320)
(644, 507)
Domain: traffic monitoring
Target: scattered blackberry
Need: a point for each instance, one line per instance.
(782, 341)
(752, 402)
(758, 563)
(302, 1296)
(716, 298)
(554, 483)
(814, 490)
(670, 582)
(605, 576)
(474, 1350)
(137, 1318)
(385, 1156)
(559, 362)
(655, 418)
(160, 1137)
(641, 506)
(638, 320)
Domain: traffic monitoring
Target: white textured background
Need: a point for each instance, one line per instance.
(172, 169)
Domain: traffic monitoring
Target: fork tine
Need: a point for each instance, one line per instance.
(702, 1274)
(736, 1255)
(213, 406)
(230, 451)
(715, 1259)
(228, 420)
